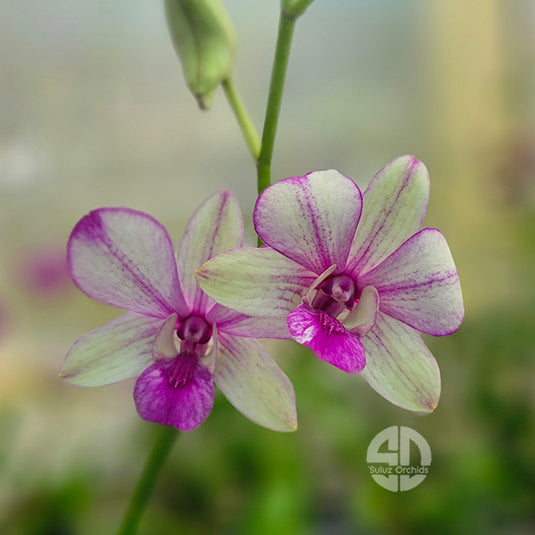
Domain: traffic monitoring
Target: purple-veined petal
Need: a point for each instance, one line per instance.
(177, 392)
(254, 384)
(231, 322)
(311, 219)
(215, 227)
(361, 319)
(418, 284)
(400, 367)
(327, 337)
(257, 282)
(119, 349)
(125, 258)
(394, 206)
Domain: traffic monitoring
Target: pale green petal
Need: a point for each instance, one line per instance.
(257, 282)
(254, 384)
(229, 321)
(418, 284)
(166, 342)
(400, 367)
(362, 318)
(119, 349)
(394, 206)
(216, 226)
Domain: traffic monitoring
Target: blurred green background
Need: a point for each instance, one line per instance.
(94, 112)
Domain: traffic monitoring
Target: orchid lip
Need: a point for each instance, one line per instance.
(182, 370)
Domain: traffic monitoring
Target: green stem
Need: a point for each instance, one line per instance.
(278, 75)
(143, 491)
(295, 8)
(244, 121)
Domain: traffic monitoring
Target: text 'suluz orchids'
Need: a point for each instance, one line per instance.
(355, 276)
(174, 338)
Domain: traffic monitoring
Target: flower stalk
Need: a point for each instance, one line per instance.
(165, 440)
(278, 77)
(244, 121)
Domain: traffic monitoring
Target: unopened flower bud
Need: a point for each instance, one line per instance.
(205, 41)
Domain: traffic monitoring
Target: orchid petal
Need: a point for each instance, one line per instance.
(215, 227)
(327, 337)
(125, 258)
(160, 399)
(418, 284)
(231, 322)
(394, 206)
(400, 367)
(166, 342)
(119, 349)
(257, 282)
(254, 384)
(312, 289)
(311, 219)
(361, 319)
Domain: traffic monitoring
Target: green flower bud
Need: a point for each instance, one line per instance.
(205, 41)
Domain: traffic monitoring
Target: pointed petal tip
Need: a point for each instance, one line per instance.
(288, 425)
(71, 378)
(422, 406)
(432, 405)
(292, 426)
(215, 226)
(427, 406)
(409, 157)
(410, 160)
(252, 382)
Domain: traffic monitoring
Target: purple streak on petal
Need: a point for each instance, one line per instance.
(177, 392)
(254, 384)
(125, 258)
(117, 350)
(215, 227)
(258, 282)
(231, 322)
(418, 284)
(394, 206)
(310, 219)
(327, 337)
(400, 367)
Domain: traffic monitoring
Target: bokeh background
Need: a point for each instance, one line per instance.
(94, 112)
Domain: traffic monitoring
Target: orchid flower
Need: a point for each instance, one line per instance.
(174, 338)
(355, 275)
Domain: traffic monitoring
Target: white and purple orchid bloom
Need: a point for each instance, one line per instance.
(355, 275)
(174, 338)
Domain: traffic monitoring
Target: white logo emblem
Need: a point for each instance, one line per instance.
(392, 466)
